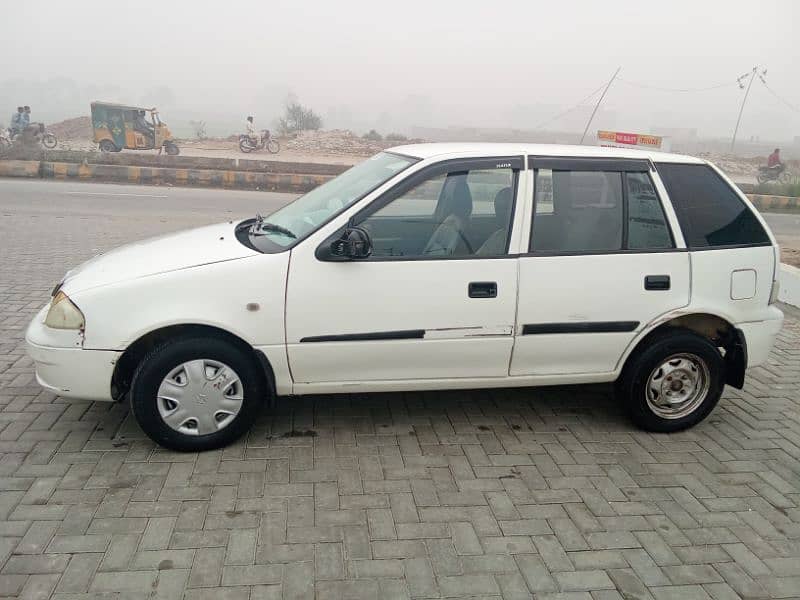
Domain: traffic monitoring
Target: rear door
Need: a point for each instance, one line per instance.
(602, 264)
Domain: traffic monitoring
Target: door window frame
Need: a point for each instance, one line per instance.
(613, 165)
(515, 163)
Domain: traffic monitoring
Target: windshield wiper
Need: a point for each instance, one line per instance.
(260, 227)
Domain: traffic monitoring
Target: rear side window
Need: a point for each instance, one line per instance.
(577, 211)
(710, 213)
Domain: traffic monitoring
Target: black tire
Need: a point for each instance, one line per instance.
(108, 146)
(49, 141)
(245, 146)
(171, 149)
(273, 146)
(163, 359)
(632, 386)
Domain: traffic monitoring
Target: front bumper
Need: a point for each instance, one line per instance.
(63, 367)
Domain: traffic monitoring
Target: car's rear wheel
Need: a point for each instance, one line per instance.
(196, 393)
(674, 382)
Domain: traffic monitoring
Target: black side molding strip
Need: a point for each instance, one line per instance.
(583, 327)
(409, 334)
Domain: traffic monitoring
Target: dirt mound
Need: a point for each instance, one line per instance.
(336, 141)
(78, 128)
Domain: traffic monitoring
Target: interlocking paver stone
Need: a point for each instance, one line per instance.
(498, 493)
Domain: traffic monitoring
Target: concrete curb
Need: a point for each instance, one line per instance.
(278, 182)
(131, 159)
(19, 168)
(789, 278)
(775, 203)
(226, 173)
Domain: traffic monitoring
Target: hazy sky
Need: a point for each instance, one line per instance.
(483, 64)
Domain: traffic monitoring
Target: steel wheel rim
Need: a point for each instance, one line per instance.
(677, 386)
(200, 397)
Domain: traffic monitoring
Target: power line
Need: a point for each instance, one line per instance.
(683, 90)
(774, 93)
(569, 110)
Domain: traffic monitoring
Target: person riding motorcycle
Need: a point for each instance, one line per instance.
(251, 131)
(774, 160)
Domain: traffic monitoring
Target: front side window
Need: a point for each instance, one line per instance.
(710, 213)
(295, 221)
(459, 213)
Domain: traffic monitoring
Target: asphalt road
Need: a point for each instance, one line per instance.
(195, 204)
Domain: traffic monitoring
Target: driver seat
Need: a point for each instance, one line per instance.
(453, 215)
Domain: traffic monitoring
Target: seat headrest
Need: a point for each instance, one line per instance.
(457, 200)
(502, 205)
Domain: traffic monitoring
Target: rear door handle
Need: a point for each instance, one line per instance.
(656, 282)
(482, 289)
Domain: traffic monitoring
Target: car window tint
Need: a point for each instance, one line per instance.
(485, 184)
(710, 213)
(647, 225)
(584, 212)
(460, 213)
(419, 201)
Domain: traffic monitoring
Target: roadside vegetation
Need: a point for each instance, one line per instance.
(297, 117)
(792, 188)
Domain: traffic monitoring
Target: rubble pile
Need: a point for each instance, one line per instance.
(78, 128)
(739, 165)
(336, 141)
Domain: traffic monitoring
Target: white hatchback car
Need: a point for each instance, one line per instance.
(431, 266)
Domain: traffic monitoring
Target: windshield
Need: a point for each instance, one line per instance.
(308, 212)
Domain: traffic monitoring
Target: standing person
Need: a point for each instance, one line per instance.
(26, 117)
(250, 129)
(16, 121)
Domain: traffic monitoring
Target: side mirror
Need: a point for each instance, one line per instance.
(353, 244)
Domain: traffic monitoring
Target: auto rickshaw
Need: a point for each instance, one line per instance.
(117, 126)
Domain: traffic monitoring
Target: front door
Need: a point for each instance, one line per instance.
(602, 264)
(435, 300)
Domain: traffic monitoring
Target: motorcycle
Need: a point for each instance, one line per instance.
(35, 132)
(778, 174)
(266, 140)
(5, 141)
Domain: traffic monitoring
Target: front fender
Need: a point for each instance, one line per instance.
(244, 296)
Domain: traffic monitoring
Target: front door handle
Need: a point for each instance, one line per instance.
(656, 282)
(482, 289)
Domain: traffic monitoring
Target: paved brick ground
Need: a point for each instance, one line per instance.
(515, 494)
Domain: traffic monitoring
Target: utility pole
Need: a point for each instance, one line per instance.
(596, 106)
(752, 75)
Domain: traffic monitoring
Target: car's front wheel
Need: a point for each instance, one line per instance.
(196, 393)
(674, 382)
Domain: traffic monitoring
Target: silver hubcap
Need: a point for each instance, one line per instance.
(200, 397)
(677, 386)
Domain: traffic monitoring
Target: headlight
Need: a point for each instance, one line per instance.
(63, 314)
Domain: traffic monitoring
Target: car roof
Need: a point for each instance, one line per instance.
(466, 150)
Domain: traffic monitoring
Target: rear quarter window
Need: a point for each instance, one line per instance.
(709, 211)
